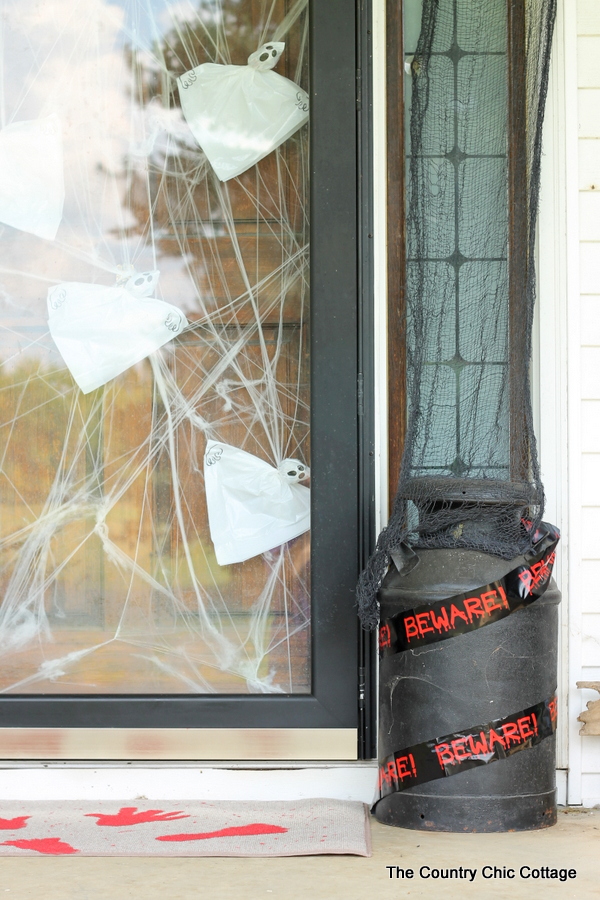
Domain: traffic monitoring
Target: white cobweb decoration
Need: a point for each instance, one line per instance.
(108, 575)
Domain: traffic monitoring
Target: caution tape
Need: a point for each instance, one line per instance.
(462, 613)
(462, 750)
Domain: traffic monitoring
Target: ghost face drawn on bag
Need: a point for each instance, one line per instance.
(142, 284)
(240, 114)
(294, 471)
(101, 331)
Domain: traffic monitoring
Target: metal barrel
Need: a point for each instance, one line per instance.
(460, 683)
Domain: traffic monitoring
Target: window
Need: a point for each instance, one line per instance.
(462, 290)
(115, 610)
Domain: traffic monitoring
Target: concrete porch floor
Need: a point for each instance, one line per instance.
(574, 843)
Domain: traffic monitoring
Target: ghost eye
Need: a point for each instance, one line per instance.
(263, 56)
(274, 53)
(149, 278)
(269, 46)
(139, 281)
(292, 473)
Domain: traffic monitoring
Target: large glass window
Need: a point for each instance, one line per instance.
(109, 577)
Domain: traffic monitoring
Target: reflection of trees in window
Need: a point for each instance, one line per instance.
(96, 555)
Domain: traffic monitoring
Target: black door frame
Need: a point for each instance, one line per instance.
(341, 465)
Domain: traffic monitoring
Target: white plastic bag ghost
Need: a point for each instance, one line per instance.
(32, 188)
(252, 507)
(102, 331)
(240, 114)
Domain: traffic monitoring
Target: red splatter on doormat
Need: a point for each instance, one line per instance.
(184, 828)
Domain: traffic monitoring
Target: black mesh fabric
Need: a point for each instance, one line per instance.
(469, 475)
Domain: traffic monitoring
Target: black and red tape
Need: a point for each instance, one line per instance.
(474, 609)
(459, 751)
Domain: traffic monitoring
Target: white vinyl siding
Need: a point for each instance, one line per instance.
(588, 90)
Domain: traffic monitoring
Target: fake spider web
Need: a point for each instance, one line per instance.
(108, 576)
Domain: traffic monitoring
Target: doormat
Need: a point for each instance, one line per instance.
(184, 828)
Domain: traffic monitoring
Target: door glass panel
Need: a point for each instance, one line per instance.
(457, 239)
(109, 577)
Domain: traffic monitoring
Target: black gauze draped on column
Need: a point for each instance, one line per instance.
(470, 475)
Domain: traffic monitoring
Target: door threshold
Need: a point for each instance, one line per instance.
(135, 781)
(192, 744)
(256, 765)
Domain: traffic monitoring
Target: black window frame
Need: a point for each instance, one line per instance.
(342, 460)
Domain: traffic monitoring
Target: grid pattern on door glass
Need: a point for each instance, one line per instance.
(461, 249)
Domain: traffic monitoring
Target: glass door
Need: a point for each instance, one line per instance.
(178, 342)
